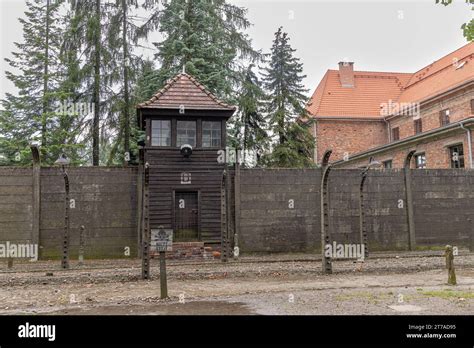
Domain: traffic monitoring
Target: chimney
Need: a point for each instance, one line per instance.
(346, 74)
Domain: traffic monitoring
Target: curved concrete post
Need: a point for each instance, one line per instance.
(362, 230)
(409, 201)
(325, 233)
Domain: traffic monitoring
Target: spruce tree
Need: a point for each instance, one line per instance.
(28, 116)
(287, 115)
(97, 67)
(123, 35)
(250, 129)
(206, 37)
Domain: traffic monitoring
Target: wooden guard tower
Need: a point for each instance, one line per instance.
(185, 134)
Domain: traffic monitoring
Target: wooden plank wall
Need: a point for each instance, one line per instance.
(166, 167)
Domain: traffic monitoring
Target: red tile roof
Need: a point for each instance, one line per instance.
(372, 89)
(184, 90)
(363, 101)
(441, 75)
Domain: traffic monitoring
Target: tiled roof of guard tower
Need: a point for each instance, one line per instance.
(371, 89)
(184, 90)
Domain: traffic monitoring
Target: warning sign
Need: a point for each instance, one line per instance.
(161, 240)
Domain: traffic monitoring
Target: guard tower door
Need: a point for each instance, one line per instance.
(186, 213)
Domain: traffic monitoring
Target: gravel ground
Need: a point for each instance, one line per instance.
(387, 283)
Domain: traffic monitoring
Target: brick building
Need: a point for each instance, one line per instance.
(386, 115)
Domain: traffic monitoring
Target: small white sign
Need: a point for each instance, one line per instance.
(185, 178)
(161, 239)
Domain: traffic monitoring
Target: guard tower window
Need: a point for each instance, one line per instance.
(186, 133)
(160, 133)
(211, 134)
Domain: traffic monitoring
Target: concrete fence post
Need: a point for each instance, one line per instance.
(140, 188)
(409, 202)
(362, 228)
(146, 224)
(224, 217)
(237, 204)
(82, 242)
(470, 229)
(325, 233)
(35, 231)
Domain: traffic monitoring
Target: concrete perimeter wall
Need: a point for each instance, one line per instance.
(105, 204)
(279, 209)
(443, 203)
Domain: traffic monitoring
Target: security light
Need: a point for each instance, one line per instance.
(62, 160)
(373, 163)
(186, 150)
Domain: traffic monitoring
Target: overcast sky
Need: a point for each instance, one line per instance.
(381, 35)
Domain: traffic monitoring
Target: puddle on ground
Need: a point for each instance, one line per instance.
(188, 308)
(406, 308)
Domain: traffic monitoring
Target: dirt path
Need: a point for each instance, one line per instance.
(393, 285)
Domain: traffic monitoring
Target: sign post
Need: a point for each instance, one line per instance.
(162, 241)
(163, 280)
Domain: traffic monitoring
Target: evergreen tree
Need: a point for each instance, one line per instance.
(283, 82)
(204, 36)
(249, 130)
(124, 34)
(297, 149)
(147, 82)
(29, 116)
(98, 70)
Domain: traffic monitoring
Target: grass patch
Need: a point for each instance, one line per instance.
(430, 247)
(449, 294)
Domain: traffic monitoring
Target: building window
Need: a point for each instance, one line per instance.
(456, 154)
(420, 161)
(472, 106)
(211, 134)
(395, 134)
(387, 164)
(418, 126)
(160, 133)
(444, 117)
(186, 133)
